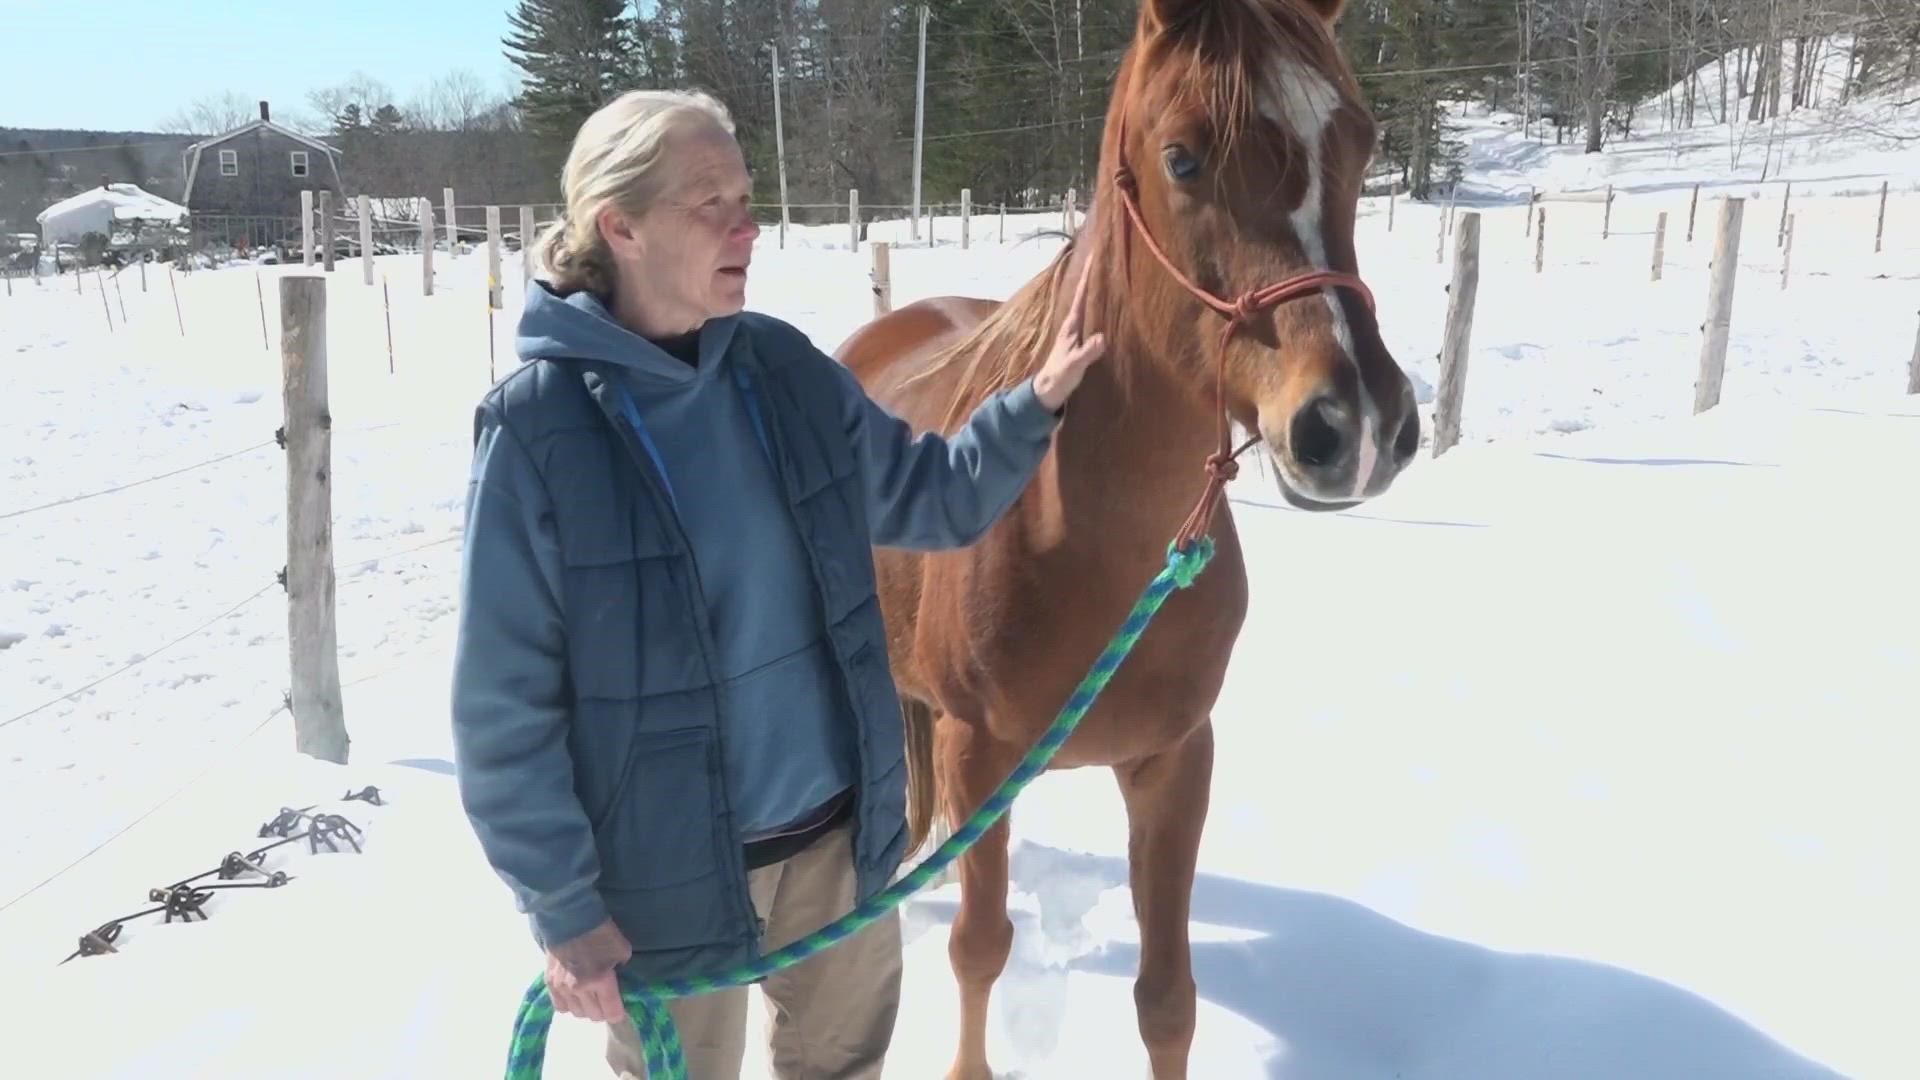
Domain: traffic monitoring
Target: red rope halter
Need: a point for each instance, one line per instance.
(1222, 465)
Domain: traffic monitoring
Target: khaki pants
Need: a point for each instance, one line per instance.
(829, 1018)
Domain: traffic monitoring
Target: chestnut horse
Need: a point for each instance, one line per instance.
(1220, 244)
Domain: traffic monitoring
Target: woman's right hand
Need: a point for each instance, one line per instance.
(581, 978)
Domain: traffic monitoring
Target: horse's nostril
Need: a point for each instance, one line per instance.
(1407, 442)
(1319, 433)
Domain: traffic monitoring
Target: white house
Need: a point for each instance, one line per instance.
(96, 209)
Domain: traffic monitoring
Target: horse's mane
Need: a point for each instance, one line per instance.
(1009, 344)
(1216, 57)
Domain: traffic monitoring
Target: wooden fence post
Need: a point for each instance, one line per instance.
(1692, 206)
(495, 294)
(1659, 244)
(853, 219)
(1913, 366)
(319, 722)
(1786, 251)
(1003, 223)
(1455, 345)
(882, 279)
(453, 220)
(526, 243)
(1713, 348)
(306, 227)
(1880, 224)
(426, 246)
(365, 206)
(1540, 243)
(1453, 194)
(1606, 215)
(966, 218)
(1393, 196)
(326, 230)
(780, 147)
(1532, 196)
(1780, 232)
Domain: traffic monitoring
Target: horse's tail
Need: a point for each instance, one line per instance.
(923, 786)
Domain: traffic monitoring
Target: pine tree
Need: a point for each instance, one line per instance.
(386, 120)
(577, 56)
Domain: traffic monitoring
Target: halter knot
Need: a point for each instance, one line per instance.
(1222, 466)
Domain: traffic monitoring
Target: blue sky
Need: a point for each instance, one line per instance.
(128, 64)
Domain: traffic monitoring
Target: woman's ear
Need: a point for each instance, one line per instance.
(618, 231)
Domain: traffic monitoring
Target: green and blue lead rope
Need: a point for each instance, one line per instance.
(646, 1003)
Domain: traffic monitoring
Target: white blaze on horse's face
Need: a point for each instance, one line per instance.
(1303, 103)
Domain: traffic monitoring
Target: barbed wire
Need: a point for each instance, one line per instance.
(136, 483)
(185, 899)
(208, 624)
(179, 791)
(116, 489)
(143, 658)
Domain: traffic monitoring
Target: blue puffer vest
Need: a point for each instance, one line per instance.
(645, 738)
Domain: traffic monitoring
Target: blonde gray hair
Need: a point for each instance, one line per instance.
(617, 158)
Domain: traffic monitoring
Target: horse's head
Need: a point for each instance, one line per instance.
(1238, 137)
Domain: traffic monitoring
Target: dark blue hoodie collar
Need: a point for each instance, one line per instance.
(579, 327)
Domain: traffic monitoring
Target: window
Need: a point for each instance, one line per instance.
(229, 163)
(299, 163)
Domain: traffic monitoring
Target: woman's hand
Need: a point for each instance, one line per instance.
(1070, 358)
(580, 974)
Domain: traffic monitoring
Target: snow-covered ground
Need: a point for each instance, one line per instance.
(1619, 792)
(1830, 146)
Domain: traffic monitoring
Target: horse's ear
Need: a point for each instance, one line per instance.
(1163, 16)
(1328, 10)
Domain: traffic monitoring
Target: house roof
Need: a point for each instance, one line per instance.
(271, 126)
(191, 155)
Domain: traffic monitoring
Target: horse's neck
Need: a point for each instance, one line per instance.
(1131, 457)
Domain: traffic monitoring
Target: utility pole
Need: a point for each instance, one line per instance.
(780, 144)
(919, 121)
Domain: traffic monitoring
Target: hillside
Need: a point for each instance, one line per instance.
(1831, 147)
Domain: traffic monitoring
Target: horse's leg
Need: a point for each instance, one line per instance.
(1166, 797)
(972, 764)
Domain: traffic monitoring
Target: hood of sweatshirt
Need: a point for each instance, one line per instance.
(579, 327)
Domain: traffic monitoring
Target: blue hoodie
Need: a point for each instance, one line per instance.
(698, 423)
(789, 743)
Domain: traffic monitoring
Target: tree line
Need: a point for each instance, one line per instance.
(1016, 90)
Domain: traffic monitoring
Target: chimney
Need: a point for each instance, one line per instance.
(263, 111)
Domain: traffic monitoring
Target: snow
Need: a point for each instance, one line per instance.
(1616, 784)
(95, 209)
(1830, 147)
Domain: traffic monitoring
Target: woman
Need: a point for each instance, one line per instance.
(677, 738)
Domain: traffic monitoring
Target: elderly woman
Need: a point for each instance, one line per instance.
(676, 734)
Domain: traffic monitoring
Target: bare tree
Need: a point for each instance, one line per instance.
(210, 114)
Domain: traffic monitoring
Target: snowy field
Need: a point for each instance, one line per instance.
(1623, 790)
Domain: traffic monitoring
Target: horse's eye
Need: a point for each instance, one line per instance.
(1181, 165)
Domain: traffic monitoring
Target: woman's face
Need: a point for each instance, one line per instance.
(687, 256)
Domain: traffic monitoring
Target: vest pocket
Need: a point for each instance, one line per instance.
(664, 829)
